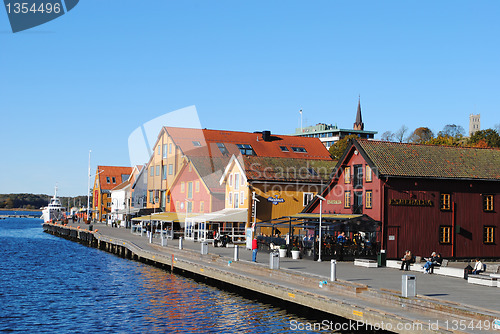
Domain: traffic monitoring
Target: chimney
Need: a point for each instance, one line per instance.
(266, 135)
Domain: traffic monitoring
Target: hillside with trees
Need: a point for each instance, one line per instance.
(36, 201)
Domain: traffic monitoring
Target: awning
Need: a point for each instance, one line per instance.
(131, 211)
(166, 217)
(336, 222)
(226, 215)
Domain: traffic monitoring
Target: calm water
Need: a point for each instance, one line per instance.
(49, 284)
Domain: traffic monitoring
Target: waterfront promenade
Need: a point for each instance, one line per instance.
(364, 294)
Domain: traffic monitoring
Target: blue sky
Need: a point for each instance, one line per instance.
(86, 80)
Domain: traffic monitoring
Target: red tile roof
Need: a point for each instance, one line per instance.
(203, 142)
(112, 172)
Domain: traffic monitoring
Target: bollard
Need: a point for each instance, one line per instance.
(333, 270)
(180, 242)
(204, 248)
(408, 286)
(236, 253)
(150, 237)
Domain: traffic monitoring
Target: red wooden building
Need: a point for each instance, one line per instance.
(428, 198)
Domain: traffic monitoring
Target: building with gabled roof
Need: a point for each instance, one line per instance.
(210, 151)
(107, 178)
(428, 198)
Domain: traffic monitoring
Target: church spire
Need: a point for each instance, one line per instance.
(359, 121)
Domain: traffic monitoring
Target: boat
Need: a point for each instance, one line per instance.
(54, 211)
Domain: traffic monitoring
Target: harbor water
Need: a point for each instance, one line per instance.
(51, 285)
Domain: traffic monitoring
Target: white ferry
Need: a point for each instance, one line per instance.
(54, 211)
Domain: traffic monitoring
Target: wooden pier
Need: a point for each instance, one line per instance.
(349, 300)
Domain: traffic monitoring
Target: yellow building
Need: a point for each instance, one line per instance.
(271, 187)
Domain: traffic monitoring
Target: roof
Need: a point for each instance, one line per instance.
(413, 160)
(204, 143)
(166, 217)
(121, 186)
(112, 171)
(287, 169)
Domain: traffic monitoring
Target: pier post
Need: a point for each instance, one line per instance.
(150, 237)
(333, 270)
(236, 253)
(164, 241)
(180, 242)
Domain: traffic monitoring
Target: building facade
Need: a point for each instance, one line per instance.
(428, 198)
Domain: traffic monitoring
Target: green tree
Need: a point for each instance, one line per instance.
(337, 149)
(488, 137)
(444, 141)
(452, 130)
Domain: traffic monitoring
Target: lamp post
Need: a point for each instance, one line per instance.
(321, 199)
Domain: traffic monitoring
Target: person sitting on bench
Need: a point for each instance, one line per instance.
(433, 261)
(406, 260)
(478, 267)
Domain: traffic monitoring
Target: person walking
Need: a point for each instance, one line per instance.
(255, 249)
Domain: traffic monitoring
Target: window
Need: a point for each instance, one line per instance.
(114, 179)
(445, 234)
(347, 199)
(157, 170)
(107, 179)
(488, 203)
(168, 198)
(368, 199)
(183, 186)
(170, 148)
(242, 180)
(177, 206)
(236, 181)
(368, 177)
(245, 149)
(222, 148)
(151, 171)
(189, 207)
(163, 199)
(299, 150)
(312, 171)
(230, 199)
(197, 186)
(170, 169)
(347, 174)
(230, 180)
(196, 143)
(242, 198)
(202, 206)
(445, 204)
(158, 149)
(164, 150)
(489, 234)
(236, 201)
(151, 197)
(163, 172)
(284, 149)
(307, 198)
(358, 176)
(190, 190)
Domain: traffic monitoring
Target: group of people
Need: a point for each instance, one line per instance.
(435, 260)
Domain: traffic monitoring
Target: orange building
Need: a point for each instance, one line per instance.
(107, 178)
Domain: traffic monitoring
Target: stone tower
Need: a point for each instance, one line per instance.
(474, 124)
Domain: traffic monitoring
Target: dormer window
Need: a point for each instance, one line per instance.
(284, 149)
(196, 143)
(222, 148)
(299, 150)
(245, 149)
(107, 179)
(114, 179)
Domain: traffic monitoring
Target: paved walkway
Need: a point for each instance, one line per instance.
(439, 287)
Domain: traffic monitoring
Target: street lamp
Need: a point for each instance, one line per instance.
(321, 199)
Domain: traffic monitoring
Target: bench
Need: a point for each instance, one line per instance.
(482, 280)
(366, 263)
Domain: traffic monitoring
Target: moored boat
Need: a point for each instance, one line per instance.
(54, 211)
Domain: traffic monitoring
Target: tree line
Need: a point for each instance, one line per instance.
(37, 201)
(450, 135)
